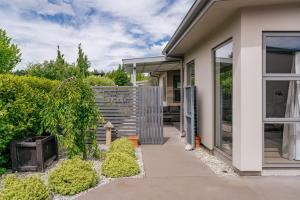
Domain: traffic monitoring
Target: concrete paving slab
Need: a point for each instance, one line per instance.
(187, 188)
(172, 173)
(170, 161)
(276, 187)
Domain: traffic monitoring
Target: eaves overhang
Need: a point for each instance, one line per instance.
(197, 10)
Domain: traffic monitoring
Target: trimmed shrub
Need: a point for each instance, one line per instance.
(99, 81)
(117, 164)
(72, 176)
(29, 188)
(22, 99)
(122, 145)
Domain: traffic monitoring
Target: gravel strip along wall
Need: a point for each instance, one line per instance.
(216, 165)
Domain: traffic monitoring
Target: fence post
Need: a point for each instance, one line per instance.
(108, 126)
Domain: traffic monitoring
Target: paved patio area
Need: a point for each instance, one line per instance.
(172, 173)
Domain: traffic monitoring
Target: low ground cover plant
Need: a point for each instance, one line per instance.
(29, 188)
(122, 145)
(72, 176)
(118, 164)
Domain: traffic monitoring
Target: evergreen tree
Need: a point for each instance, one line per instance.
(120, 76)
(82, 62)
(58, 69)
(60, 60)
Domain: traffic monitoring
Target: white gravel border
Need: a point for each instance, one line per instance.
(216, 165)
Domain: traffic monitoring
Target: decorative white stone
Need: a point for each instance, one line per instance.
(216, 165)
(188, 147)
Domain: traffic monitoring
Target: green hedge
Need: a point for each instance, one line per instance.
(29, 188)
(22, 98)
(72, 176)
(117, 164)
(122, 145)
(99, 81)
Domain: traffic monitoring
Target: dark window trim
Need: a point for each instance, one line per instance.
(275, 76)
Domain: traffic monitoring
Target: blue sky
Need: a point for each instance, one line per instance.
(109, 30)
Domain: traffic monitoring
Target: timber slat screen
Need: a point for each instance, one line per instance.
(150, 112)
(132, 111)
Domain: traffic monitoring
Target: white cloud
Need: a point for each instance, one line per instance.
(116, 29)
(41, 6)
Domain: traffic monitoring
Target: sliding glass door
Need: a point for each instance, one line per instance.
(281, 99)
(223, 55)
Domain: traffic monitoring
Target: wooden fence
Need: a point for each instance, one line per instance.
(132, 111)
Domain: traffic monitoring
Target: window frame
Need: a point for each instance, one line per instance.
(213, 56)
(275, 77)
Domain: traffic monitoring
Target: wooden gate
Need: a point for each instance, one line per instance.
(132, 111)
(150, 112)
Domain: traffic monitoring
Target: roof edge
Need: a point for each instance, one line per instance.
(148, 60)
(197, 8)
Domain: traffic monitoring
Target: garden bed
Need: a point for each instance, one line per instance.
(103, 180)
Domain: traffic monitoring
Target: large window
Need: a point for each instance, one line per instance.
(223, 55)
(281, 81)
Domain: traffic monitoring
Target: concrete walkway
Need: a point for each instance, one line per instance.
(172, 173)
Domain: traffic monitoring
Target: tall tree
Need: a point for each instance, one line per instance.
(82, 62)
(59, 57)
(10, 54)
(58, 69)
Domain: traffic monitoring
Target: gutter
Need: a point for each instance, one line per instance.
(197, 11)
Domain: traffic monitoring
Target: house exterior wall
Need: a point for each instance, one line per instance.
(202, 55)
(254, 21)
(246, 28)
